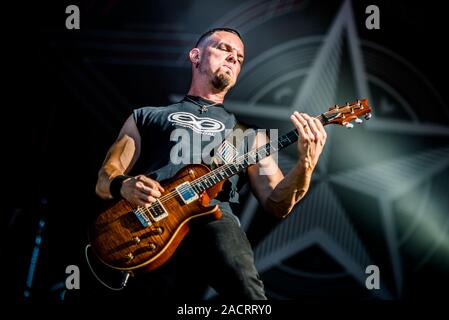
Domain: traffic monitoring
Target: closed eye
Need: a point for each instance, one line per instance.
(226, 47)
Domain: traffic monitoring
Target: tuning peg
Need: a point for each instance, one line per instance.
(349, 125)
(367, 116)
(358, 120)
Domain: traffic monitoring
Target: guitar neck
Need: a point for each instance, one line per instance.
(228, 170)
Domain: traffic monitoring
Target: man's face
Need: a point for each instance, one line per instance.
(222, 59)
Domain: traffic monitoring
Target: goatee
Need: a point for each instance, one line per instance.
(221, 82)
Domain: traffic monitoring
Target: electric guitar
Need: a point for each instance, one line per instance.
(128, 238)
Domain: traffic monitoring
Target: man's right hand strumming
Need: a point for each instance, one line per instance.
(141, 190)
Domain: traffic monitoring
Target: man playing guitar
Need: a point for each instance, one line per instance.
(215, 252)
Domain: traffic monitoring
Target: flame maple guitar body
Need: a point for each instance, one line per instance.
(123, 241)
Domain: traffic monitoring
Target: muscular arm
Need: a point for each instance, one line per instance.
(279, 194)
(120, 158)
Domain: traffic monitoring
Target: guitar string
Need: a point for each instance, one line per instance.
(173, 193)
(240, 158)
(224, 167)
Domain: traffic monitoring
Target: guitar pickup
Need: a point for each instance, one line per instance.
(157, 211)
(186, 193)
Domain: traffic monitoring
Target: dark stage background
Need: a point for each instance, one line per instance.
(378, 197)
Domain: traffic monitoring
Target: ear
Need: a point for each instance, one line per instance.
(194, 56)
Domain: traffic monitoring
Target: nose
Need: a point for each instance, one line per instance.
(232, 58)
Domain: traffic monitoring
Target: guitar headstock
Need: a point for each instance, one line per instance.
(345, 114)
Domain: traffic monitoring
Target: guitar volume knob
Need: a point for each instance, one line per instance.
(158, 230)
(136, 240)
(129, 256)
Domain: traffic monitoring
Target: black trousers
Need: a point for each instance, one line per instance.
(214, 253)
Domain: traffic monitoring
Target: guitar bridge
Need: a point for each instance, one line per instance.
(186, 192)
(142, 217)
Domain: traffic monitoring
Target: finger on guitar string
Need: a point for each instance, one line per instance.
(302, 126)
(146, 200)
(317, 135)
(148, 191)
(320, 127)
(153, 184)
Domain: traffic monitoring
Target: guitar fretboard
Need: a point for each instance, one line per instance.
(228, 170)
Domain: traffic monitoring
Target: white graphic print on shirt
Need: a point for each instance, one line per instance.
(207, 126)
